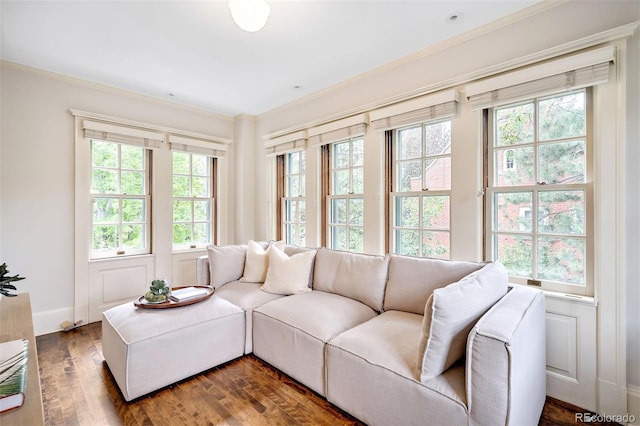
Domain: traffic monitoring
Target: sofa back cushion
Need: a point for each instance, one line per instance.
(226, 263)
(360, 277)
(450, 314)
(413, 279)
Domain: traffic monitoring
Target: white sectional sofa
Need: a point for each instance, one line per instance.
(392, 340)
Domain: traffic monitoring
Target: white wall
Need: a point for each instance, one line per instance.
(633, 228)
(37, 174)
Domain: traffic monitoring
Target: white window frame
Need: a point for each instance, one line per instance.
(193, 199)
(587, 187)
(423, 193)
(290, 199)
(350, 196)
(120, 250)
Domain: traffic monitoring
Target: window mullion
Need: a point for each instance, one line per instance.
(193, 220)
(534, 228)
(120, 230)
(118, 168)
(347, 224)
(423, 153)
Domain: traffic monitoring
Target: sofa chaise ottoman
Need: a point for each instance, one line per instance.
(147, 349)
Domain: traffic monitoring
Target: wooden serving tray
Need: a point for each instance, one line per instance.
(141, 302)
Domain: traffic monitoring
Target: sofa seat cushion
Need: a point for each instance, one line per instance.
(291, 333)
(319, 314)
(388, 340)
(382, 350)
(247, 296)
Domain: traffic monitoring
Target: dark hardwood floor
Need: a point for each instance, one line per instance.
(78, 389)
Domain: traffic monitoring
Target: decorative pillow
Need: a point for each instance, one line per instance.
(257, 261)
(450, 314)
(288, 275)
(226, 263)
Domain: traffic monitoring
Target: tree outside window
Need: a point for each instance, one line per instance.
(539, 209)
(120, 200)
(346, 201)
(293, 202)
(192, 200)
(422, 190)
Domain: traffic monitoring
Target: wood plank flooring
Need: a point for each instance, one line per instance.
(78, 389)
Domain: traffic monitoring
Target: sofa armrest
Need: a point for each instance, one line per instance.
(203, 276)
(506, 361)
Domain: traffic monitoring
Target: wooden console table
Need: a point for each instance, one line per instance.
(16, 323)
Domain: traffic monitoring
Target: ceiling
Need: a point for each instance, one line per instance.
(191, 52)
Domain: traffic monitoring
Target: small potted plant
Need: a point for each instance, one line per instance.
(159, 291)
(5, 279)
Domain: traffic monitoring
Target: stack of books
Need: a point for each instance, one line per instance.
(187, 293)
(13, 374)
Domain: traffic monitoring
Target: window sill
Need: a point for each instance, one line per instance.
(188, 250)
(565, 297)
(121, 257)
(573, 298)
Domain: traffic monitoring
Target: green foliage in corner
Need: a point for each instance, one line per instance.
(5, 279)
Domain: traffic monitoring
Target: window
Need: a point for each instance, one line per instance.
(120, 199)
(293, 203)
(193, 200)
(509, 159)
(421, 190)
(539, 211)
(346, 201)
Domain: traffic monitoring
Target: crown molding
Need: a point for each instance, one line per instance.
(601, 38)
(106, 88)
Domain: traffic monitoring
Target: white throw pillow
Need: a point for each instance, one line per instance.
(257, 261)
(288, 275)
(450, 314)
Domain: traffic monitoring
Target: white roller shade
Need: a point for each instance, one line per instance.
(417, 110)
(338, 130)
(286, 143)
(197, 146)
(121, 134)
(573, 72)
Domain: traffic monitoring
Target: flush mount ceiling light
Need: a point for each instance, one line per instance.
(250, 15)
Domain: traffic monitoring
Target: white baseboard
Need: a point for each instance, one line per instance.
(633, 403)
(49, 321)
